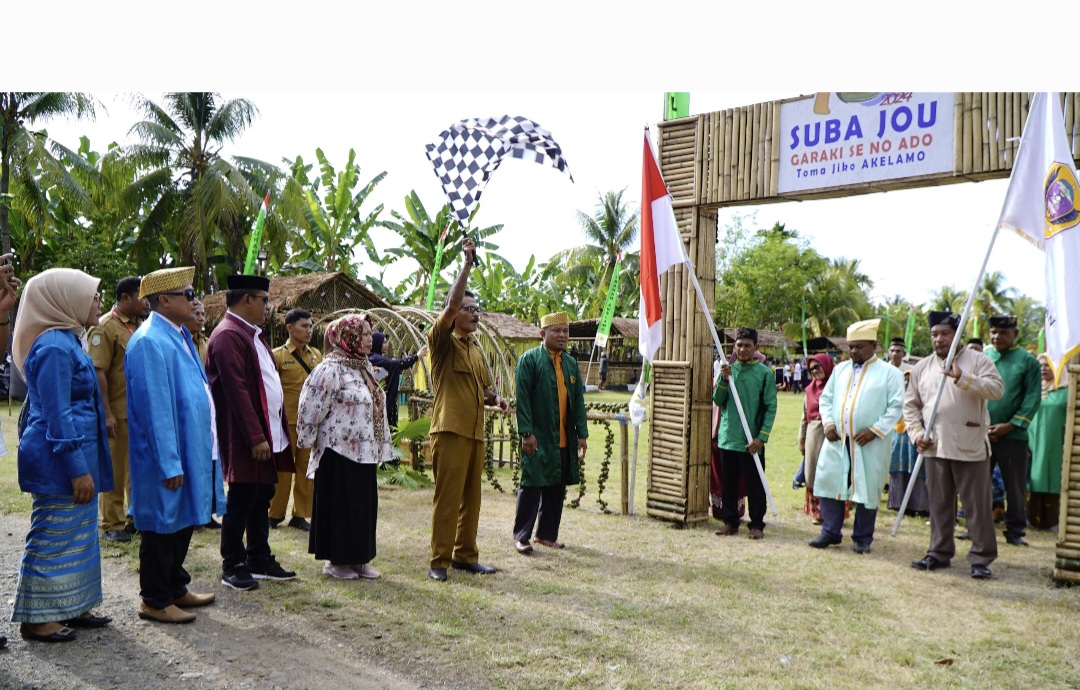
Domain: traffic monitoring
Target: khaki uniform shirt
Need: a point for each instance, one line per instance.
(293, 374)
(108, 342)
(459, 375)
(963, 420)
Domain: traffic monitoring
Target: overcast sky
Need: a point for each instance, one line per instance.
(386, 82)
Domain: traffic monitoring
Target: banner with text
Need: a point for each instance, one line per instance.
(845, 138)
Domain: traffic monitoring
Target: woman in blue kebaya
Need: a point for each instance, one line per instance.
(63, 457)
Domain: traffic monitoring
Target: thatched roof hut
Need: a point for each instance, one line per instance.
(620, 326)
(319, 293)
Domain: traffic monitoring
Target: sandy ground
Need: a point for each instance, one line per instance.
(232, 644)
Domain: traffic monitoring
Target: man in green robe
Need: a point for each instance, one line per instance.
(1010, 417)
(551, 420)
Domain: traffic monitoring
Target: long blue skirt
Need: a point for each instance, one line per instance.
(60, 573)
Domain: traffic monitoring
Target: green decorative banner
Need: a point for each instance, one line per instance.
(910, 333)
(435, 271)
(256, 237)
(603, 329)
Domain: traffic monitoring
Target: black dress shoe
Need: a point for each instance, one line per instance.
(861, 548)
(964, 535)
(64, 634)
(822, 541)
(1015, 541)
(477, 568)
(928, 563)
(213, 524)
(87, 622)
(437, 574)
(980, 572)
(3, 641)
(274, 522)
(130, 528)
(300, 524)
(117, 536)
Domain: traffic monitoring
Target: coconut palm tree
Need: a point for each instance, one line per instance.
(24, 153)
(610, 231)
(208, 202)
(948, 298)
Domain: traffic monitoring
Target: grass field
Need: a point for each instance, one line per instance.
(637, 603)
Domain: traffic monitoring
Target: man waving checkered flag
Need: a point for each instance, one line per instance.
(468, 152)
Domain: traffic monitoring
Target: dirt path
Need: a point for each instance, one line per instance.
(232, 644)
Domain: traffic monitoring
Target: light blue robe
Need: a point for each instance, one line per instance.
(168, 429)
(878, 405)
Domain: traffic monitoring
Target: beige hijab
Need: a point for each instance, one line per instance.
(56, 299)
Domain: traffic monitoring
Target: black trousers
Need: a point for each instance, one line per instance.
(162, 577)
(1014, 458)
(736, 465)
(246, 508)
(543, 502)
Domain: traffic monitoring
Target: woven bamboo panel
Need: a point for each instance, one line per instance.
(1067, 565)
(668, 441)
(738, 150)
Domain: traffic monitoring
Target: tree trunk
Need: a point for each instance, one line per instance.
(5, 180)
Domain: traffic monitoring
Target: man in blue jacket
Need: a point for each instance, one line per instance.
(171, 441)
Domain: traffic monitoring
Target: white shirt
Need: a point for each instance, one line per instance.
(275, 396)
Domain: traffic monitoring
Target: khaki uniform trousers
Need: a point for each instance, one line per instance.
(113, 504)
(458, 466)
(297, 484)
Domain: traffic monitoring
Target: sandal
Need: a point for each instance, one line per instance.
(87, 620)
(64, 634)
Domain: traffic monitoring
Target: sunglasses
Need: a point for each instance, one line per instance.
(814, 369)
(264, 298)
(189, 294)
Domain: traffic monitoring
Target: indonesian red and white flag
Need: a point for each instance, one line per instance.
(1043, 204)
(661, 248)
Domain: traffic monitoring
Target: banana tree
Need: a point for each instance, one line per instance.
(332, 226)
(420, 232)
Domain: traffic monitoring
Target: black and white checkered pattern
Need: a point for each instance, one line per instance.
(468, 152)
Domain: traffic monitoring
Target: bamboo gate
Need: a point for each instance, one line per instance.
(731, 158)
(1067, 565)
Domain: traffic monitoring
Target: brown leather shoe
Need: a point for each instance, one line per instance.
(191, 600)
(727, 530)
(549, 543)
(756, 533)
(169, 614)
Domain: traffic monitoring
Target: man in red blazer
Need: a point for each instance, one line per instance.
(252, 432)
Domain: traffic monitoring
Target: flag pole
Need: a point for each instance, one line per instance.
(957, 339)
(734, 391)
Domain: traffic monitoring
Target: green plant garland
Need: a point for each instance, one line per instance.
(609, 449)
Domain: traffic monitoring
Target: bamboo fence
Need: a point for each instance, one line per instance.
(1067, 565)
(732, 157)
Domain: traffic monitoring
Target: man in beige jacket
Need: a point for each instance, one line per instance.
(957, 448)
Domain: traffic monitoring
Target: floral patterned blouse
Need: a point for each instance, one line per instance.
(336, 411)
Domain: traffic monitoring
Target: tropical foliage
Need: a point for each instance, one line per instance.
(328, 217)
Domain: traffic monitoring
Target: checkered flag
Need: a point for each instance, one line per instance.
(468, 152)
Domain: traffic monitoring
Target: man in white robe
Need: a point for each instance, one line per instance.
(860, 405)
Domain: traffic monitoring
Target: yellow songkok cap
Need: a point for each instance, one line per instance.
(863, 330)
(166, 280)
(554, 318)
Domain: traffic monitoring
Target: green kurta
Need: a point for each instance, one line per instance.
(1047, 439)
(1023, 389)
(538, 414)
(757, 393)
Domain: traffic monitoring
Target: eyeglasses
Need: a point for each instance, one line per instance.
(472, 309)
(98, 297)
(264, 298)
(189, 294)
